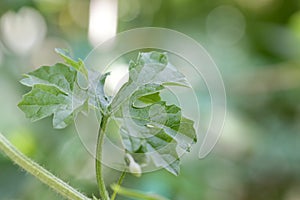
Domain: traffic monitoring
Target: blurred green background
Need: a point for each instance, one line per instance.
(256, 45)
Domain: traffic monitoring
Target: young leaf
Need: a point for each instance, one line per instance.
(150, 67)
(146, 122)
(54, 91)
(78, 65)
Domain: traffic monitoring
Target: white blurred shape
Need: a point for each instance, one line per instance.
(103, 20)
(225, 25)
(23, 30)
(118, 76)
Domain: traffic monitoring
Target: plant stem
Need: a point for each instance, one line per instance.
(118, 185)
(102, 189)
(39, 172)
(136, 194)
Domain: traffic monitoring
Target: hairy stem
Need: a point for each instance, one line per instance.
(118, 185)
(102, 189)
(39, 172)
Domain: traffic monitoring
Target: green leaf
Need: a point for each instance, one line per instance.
(78, 65)
(58, 75)
(152, 67)
(157, 128)
(54, 92)
(147, 124)
(146, 100)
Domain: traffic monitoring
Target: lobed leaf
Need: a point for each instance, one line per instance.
(147, 124)
(54, 92)
(150, 67)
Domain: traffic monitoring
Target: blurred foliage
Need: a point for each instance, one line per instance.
(254, 43)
